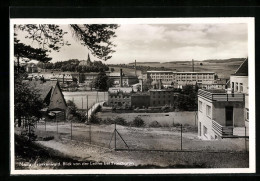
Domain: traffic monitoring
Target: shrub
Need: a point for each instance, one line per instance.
(108, 121)
(155, 124)
(121, 121)
(138, 122)
(94, 119)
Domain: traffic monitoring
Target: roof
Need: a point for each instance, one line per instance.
(43, 88)
(215, 90)
(120, 89)
(242, 69)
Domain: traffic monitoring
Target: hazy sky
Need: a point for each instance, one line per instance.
(164, 42)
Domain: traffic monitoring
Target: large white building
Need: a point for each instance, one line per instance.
(179, 79)
(224, 113)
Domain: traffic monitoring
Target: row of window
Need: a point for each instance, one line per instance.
(208, 109)
(163, 102)
(119, 97)
(237, 87)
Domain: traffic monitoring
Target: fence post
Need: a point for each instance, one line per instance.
(115, 135)
(181, 136)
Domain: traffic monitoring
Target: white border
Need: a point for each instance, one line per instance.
(251, 56)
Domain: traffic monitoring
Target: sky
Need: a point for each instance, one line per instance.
(163, 43)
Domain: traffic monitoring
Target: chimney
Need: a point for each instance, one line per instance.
(121, 78)
(135, 67)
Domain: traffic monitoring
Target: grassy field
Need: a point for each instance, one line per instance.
(41, 155)
(78, 96)
(163, 118)
(226, 153)
(223, 68)
(164, 138)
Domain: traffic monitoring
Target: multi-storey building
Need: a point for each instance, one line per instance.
(162, 97)
(119, 96)
(224, 113)
(239, 84)
(179, 79)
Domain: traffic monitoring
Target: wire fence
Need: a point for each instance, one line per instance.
(118, 137)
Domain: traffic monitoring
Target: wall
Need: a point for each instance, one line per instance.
(219, 114)
(205, 120)
(140, 100)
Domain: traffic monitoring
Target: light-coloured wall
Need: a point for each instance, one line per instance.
(219, 113)
(240, 79)
(205, 120)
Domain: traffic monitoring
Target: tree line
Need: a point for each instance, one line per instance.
(73, 65)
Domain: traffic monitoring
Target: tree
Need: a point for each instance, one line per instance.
(101, 81)
(25, 51)
(27, 102)
(96, 37)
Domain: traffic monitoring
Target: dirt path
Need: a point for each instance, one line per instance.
(85, 152)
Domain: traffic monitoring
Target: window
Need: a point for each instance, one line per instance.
(247, 114)
(241, 87)
(200, 106)
(208, 111)
(205, 131)
(236, 87)
(159, 102)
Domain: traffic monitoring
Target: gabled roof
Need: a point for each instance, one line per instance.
(43, 88)
(242, 69)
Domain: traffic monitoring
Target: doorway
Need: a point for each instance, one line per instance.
(229, 116)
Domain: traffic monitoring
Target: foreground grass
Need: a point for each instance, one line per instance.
(30, 155)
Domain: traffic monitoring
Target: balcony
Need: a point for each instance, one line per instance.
(223, 131)
(220, 95)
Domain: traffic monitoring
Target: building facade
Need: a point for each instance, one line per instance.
(162, 97)
(119, 97)
(239, 84)
(179, 79)
(140, 100)
(220, 114)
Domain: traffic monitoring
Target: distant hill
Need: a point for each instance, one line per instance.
(143, 63)
(224, 60)
(208, 60)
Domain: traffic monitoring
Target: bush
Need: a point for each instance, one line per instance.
(121, 121)
(155, 124)
(94, 119)
(138, 122)
(108, 121)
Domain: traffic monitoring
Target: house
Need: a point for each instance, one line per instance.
(239, 84)
(224, 113)
(31, 68)
(51, 94)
